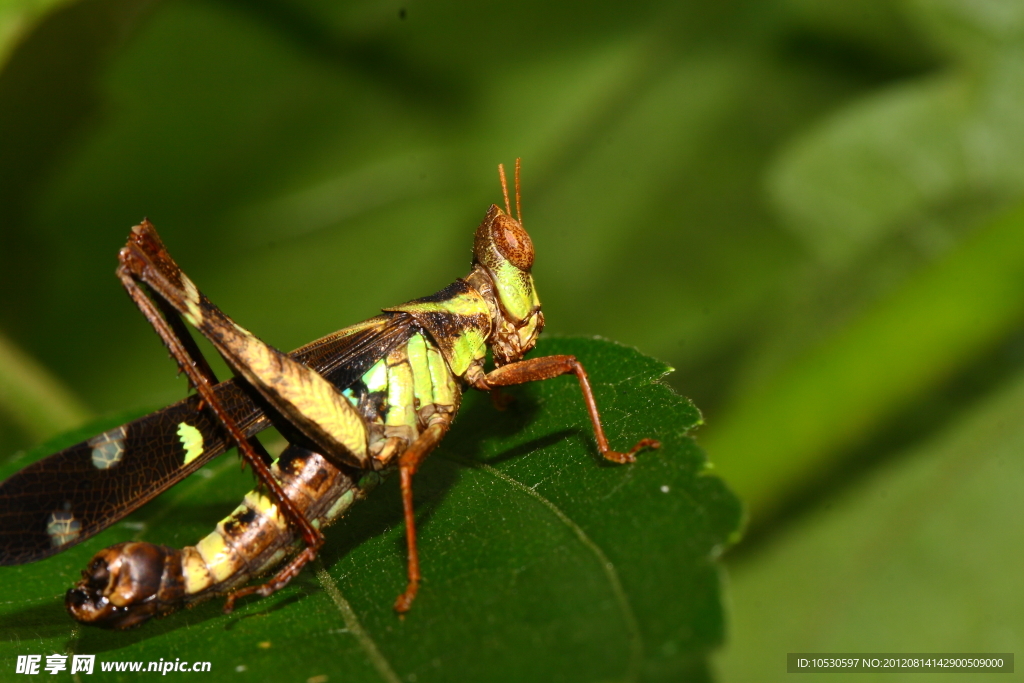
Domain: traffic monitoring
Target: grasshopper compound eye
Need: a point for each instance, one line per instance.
(512, 242)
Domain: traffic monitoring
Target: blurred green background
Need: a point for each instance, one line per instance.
(810, 209)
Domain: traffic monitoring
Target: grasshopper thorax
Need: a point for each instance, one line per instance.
(503, 256)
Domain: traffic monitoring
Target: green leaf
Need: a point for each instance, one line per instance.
(541, 560)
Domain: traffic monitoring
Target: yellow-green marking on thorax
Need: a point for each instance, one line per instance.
(467, 302)
(457, 319)
(442, 383)
(417, 350)
(191, 441)
(376, 378)
(401, 408)
(417, 376)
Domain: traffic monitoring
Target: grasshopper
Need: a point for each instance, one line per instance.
(354, 407)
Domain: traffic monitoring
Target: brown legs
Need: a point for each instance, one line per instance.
(513, 373)
(548, 367)
(279, 580)
(145, 260)
(407, 466)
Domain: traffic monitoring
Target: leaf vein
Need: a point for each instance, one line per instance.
(377, 659)
(636, 644)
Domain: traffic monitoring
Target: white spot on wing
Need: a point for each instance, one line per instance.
(108, 448)
(62, 528)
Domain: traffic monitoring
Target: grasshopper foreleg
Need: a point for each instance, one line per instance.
(548, 367)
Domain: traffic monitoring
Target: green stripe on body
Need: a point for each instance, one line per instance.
(401, 396)
(416, 348)
(376, 378)
(441, 379)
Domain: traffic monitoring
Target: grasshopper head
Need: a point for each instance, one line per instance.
(504, 249)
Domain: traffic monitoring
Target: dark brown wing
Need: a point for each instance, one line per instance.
(67, 497)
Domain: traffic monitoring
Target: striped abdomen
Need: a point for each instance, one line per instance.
(397, 397)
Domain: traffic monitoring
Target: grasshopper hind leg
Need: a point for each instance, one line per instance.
(279, 581)
(145, 260)
(408, 463)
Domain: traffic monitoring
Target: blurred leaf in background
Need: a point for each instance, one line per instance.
(919, 555)
(809, 208)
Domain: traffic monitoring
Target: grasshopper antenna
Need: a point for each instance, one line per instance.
(519, 208)
(504, 185)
